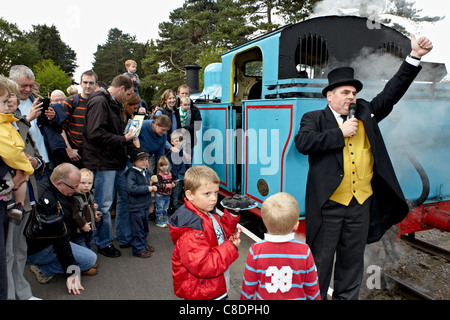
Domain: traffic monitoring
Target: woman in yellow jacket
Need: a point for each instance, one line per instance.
(11, 148)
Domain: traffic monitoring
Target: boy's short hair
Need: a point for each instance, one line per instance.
(197, 176)
(129, 63)
(185, 100)
(280, 213)
(86, 172)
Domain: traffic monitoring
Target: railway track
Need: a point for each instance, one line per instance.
(414, 269)
(398, 284)
(404, 289)
(426, 246)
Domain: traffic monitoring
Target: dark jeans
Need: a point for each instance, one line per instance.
(139, 226)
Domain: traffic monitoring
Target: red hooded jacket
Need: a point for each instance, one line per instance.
(198, 261)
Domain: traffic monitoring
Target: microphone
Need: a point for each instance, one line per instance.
(352, 110)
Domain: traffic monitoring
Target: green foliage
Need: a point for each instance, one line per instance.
(110, 57)
(50, 46)
(15, 48)
(51, 77)
(405, 9)
(192, 31)
(208, 56)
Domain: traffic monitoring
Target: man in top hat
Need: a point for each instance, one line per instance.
(352, 193)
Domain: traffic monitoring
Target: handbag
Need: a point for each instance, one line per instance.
(41, 226)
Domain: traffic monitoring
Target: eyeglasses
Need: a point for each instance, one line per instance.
(69, 186)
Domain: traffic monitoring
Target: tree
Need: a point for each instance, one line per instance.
(192, 30)
(110, 57)
(50, 46)
(15, 48)
(267, 15)
(51, 77)
(405, 9)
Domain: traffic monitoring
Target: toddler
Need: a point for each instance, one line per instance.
(84, 211)
(165, 185)
(280, 267)
(180, 162)
(131, 67)
(139, 199)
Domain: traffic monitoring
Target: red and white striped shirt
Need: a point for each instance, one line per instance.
(280, 268)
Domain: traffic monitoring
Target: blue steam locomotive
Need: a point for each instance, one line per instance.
(253, 101)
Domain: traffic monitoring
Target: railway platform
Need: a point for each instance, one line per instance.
(132, 278)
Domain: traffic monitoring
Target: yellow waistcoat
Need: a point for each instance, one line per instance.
(358, 169)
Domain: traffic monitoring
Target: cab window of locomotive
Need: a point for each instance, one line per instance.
(253, 69)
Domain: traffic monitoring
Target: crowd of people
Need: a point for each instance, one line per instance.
(79, 157)
(71, 153)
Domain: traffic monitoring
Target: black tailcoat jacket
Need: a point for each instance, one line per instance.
(322, 140)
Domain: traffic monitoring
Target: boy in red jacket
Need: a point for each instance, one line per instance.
(204, 246)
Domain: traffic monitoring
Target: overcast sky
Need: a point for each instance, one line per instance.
(84, 24)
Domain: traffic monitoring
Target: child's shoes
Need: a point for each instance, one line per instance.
(16, 212)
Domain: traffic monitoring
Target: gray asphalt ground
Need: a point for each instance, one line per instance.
(132, 278)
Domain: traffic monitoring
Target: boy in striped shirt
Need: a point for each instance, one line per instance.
(280, 267)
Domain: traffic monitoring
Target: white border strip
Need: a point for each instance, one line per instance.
(247, 232)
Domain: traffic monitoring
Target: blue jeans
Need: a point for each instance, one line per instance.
(123, 227)
(83, 239)
(104, 183)
(162, 204)
(139, 224)
(50, 265)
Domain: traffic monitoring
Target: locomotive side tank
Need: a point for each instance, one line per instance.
(253, 101)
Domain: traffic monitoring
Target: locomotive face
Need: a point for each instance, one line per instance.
(341, 98)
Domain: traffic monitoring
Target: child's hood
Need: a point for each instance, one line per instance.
(183, 220)
(187, 217)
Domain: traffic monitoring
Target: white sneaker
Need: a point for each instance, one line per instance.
(161, 225)
(34, 298)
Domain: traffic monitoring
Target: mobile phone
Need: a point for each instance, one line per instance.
(46, 104)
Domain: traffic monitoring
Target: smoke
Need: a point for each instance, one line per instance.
(374, 66)
(363, 8)
(377, 11)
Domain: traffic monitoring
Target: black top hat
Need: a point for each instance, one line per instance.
(343, 76)
(138, 153)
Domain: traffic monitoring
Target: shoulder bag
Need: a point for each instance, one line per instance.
(41, 226)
